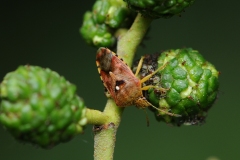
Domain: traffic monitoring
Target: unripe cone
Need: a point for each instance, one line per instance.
(101, 25)
(96, 34)
(113, 13)
(159, 8)
(40, 107)
(188, 85)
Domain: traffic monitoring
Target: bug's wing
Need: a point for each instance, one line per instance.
(109, 83)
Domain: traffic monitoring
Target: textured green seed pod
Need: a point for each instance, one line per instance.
(40, 107)
(114, 13)
(159, 8)
(96, 34)
(101, 25)
(188, 85)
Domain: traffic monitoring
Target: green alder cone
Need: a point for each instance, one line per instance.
(187, 85)
(96, 34)
(114, 13)
(40, 107)
(101, 25)
(159, 8)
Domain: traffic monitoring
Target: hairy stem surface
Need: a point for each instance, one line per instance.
(96, 117)
(129, 42)
(105, 135)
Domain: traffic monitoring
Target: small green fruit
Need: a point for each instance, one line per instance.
(107, 19)
(188, 85)
(159, 8)
(40, 107)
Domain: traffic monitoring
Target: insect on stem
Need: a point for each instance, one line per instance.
(124, 87)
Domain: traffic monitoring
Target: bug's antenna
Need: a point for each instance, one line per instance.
(147, 119)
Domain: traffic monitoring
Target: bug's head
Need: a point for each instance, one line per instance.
(104, 59)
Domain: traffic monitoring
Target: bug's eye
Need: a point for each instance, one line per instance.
(118, 85)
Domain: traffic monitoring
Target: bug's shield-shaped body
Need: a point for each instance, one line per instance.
(123, 86)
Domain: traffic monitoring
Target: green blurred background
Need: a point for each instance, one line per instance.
(46, 34)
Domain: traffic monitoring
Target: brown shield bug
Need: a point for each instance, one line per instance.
(124, 87)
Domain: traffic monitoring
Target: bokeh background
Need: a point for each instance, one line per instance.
(47, 34)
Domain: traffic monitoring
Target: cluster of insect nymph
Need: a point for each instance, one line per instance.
(124, 87)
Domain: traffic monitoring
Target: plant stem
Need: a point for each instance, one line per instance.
(104, 139)
(128, 43)
(96, 117)
(105, 135)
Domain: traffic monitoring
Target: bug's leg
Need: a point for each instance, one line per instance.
(163, 91)
(166, 112)
(139, 66)
(156, 87)
(150, 75)
(144, 103)
(108, 95)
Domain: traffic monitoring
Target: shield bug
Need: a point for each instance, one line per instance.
(124, 87)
